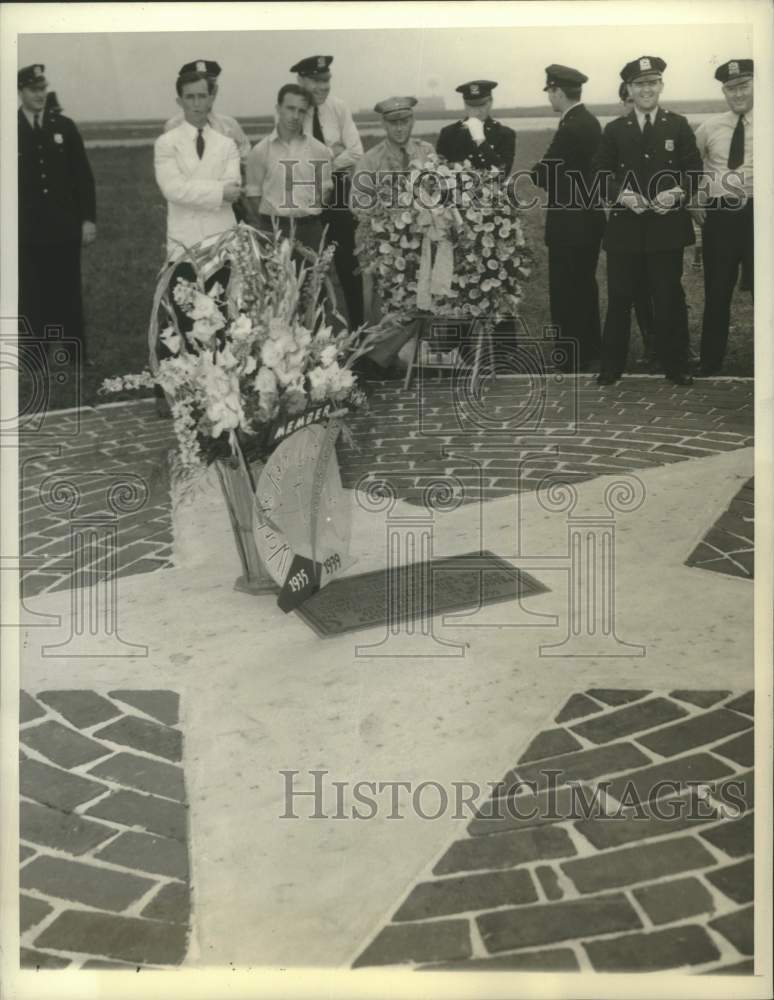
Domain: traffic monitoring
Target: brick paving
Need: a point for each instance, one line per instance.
(729, 545)
(104, 867)
(649, 880)
(108, 465)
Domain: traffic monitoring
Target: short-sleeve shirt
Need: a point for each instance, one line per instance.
(290, 179)
(713, 137)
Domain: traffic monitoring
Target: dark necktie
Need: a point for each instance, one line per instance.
(317, 131)
(736, 150)
(647, 132)
(36, 126)
(199, 143)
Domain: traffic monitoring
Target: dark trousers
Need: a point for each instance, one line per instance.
(307, 230)
(662, 273)
(728, 243)
(50, 290)
(341, 230)
(185, 270)
(574, 298)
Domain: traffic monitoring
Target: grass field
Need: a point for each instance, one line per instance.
(119, 271)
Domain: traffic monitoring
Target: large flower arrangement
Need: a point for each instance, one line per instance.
(251, 354)
(446, 239)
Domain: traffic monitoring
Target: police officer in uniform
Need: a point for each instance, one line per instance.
(478, 137)
(726, 145)
(57, 212)
(574, 221)
(330, 121)
(650, 167)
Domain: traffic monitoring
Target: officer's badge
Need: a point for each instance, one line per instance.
(733, 68)
(201, 66)
(474, 89)
(37, 70)
(58, 138)
(321, 62)
(669, 145)
(645, 63)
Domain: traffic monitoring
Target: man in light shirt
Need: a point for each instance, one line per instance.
(396, 154)
(329, 120)
(726, 146)
(288, 173)
(197, 170)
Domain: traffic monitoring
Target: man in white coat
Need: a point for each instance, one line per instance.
(197, 170)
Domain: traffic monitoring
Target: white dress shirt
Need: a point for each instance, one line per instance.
(641, 116)
(193, 187)
(713, 137)
(337, 125)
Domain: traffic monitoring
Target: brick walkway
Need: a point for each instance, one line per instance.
(104, 873)
(649, 889)
(729, 545)
(522, 430)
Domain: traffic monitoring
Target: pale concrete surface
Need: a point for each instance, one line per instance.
(261, 693)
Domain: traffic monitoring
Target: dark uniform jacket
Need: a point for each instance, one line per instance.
(56, 185)
(575, 142)
(498, 149)
(672, 159)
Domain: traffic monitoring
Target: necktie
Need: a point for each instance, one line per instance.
(36, 127)
(404, 158)
(199, 143)
(736, 150)
(317, 131)
(647, 131)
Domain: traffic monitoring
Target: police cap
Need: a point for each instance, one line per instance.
(644, 66)
(564, 76)
(313, 67)
(476, 92)
(207, 66)
(31, 76)
(733, 70)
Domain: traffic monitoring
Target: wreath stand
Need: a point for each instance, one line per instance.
(238, 480)
(483, 332)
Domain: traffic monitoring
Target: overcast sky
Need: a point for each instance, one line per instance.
(131, 75)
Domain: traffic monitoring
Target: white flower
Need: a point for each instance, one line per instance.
(277, 327)
(303, 337)
(265, 381)
(328, 355)
(241, 328)
(271, 353)
(203, 331)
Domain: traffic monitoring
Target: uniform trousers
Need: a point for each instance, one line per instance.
(574, 299)
(341, 230)
(50, 290)
(727, 244)
(661, 272)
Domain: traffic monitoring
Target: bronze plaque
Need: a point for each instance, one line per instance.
(416, 590)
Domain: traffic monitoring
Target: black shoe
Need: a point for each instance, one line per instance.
(705, 371)
(680, 378)
(604, 378)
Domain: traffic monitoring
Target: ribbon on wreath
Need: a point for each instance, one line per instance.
(435, 273)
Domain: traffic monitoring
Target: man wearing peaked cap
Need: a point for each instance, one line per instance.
(396, 154)
(649, 166)
(478, 137)
(57, 213)
(313, 67)
(726, 146)
(224, 124)
(329, 120)
(574, 222)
